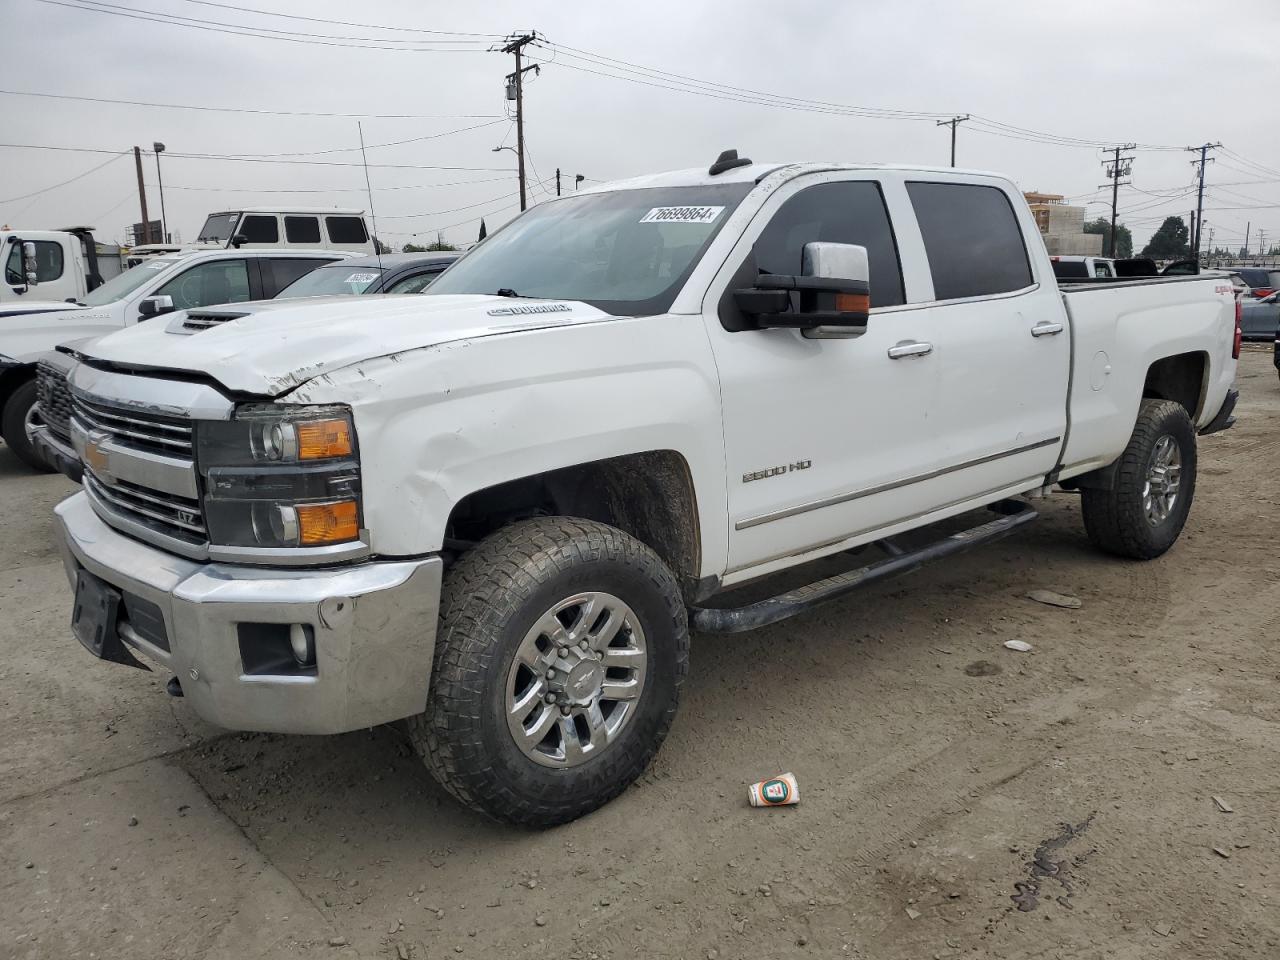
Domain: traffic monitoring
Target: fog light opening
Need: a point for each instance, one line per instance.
(302, 638)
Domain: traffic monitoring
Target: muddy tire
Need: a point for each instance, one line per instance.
(561, 650)
(1142, 515)
(13, 426)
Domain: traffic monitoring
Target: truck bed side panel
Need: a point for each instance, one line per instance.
(1119, 330)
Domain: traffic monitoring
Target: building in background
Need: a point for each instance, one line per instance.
(1062, 226)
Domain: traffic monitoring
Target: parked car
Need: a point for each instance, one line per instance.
(497, 509)
(389, 273)
(1262, 282)
(158, 286)
(1260, 319)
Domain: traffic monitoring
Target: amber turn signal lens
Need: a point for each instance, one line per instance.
(320, 523)
(323, 439)
(853, 302)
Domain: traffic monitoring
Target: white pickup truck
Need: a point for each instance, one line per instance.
(498, 509)
(151, 289)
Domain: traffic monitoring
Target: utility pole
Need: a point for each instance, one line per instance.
(1262, 242)
(1203, 150)
(953, 123)
(515, 45)
(557, 181)
(142, 197)
(1191, 233)
(1247, 227)
(1116, 168)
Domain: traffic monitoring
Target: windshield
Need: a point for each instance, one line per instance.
(336, 280)
(119, 287)
(627, 252)
(217, 229)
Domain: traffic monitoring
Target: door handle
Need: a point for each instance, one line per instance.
(1046, 328)
(910, 348)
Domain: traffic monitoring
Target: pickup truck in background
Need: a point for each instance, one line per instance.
(151, 289)
(498, 509)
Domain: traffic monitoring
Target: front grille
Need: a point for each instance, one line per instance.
(196, 321)
(166, 513)
(133, 428)
(54, 398)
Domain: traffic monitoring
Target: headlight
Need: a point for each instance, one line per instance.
(280, 475)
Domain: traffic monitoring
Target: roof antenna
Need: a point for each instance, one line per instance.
(377, 244)
(727, 160)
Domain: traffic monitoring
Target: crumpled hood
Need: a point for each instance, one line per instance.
(283, 343)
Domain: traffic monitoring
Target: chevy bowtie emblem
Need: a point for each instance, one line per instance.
(96, 457)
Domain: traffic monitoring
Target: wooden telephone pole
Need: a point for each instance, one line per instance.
(515, 45)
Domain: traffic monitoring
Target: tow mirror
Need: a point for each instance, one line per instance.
(830, 298)
(155, 306)
(238, 239)
(30, 268)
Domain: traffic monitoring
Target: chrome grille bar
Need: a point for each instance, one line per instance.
(131, 428)
(170, 515)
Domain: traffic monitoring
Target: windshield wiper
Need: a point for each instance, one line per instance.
(506, 292)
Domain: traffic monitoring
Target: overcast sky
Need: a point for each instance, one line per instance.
(1161, 72)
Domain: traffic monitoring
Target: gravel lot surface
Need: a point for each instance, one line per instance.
(959, 799)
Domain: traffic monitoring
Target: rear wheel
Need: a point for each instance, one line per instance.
(1143, 513)
(561, 650)
(19, 416)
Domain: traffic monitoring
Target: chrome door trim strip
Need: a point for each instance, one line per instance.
(783, 514)
(975, 498)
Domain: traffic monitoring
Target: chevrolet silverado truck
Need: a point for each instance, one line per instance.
(498, 510)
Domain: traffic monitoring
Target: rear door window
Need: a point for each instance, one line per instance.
(851, 211)
(346, 230)
(279, 272)
(260, 229)
(302, 229)
(972, 238)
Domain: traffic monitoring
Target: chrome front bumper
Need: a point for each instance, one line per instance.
(374, 626)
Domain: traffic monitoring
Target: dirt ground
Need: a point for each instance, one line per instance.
(958, 799)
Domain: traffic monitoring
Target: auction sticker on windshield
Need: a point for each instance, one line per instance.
(682, 215)
(361, 278)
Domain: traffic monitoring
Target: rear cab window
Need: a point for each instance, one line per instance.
(972, 238)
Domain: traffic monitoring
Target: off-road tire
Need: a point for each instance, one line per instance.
(490, 599)
(1114, 519)
(14, 430)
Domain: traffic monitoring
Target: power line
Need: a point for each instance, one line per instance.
(343, 23)
(375, 146)
(79, 176)
(243, 159)
(407, 186)
(252, 110)
(261, 33)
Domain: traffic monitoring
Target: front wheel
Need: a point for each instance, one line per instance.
(561, 650)
(19, 417)
(1143, 513)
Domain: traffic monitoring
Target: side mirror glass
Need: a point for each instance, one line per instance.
(831, 297)
(30, 268)
(155, 306)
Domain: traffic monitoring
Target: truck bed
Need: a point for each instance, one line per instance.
(1119, 328)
